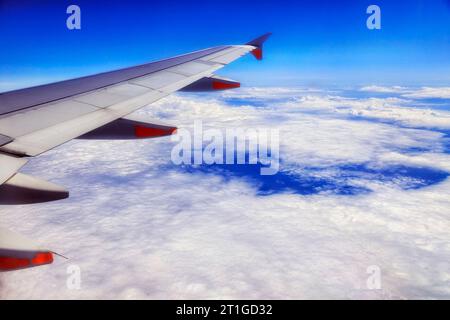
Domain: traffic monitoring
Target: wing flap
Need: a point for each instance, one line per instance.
(192, 68)
(211, 57)
(158, 80)
(101, 98)
(45, 139)
(232, 55)
(45, 116)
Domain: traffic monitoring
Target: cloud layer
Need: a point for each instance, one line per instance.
(421, 93)
(140, 227)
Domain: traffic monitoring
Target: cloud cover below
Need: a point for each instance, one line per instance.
(140, 227)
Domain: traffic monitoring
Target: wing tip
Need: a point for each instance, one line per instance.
(258, 44)
(259, 41)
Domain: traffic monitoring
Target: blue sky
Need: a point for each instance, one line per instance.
(314, 42)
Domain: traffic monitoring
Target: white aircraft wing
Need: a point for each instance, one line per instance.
(35, 120)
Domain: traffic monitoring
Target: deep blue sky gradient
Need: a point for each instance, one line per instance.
(313, 43)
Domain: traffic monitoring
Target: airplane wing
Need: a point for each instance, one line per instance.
(35, 120)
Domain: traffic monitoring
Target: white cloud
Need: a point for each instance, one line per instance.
(427, 92)
(385, 109)
(139, 228)
(413, 93)
(384, 89)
